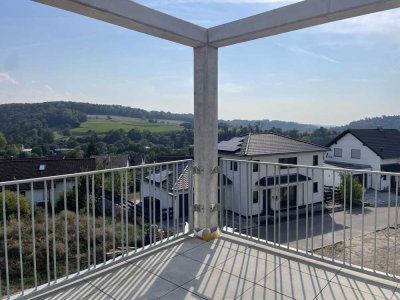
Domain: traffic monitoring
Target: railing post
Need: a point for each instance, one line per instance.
(206, 142)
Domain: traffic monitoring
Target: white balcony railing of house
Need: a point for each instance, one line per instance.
(59, 228)
(344, 216)
(64, 227)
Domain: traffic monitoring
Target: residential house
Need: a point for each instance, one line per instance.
(168, 184)
(369, 149)
(164, 187)
(112, 161)
(262, 189)
(18, 169)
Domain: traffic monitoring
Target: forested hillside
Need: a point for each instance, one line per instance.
(388, 122)
(84, 129)
(270, 124)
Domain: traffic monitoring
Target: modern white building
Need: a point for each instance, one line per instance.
(162, 187)
(368, 149)
(270, 187)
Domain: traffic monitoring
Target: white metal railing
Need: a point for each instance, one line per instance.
(348, 217)
(58, 228)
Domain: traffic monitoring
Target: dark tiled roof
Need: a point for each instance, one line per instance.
(384, 142)
(266, 144)
(112, 161)
(25, 169)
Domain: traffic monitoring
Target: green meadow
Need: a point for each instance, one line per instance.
(101, 124)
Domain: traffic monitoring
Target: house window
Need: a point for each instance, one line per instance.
(234, 166)
(315, 187)
(383, 177)
(315, 160)
(255, 167)
(356, 153)
(337, 152)
(255, 196)
(288, 161)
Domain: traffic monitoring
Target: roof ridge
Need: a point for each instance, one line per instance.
(248, 143)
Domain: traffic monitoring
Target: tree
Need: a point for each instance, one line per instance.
(3, 141)
(352, 184)
(76, 153)
(12, 204)
(71, 201)
(91, 149)
(38, 151)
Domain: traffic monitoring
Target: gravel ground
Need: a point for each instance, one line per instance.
(387, 259)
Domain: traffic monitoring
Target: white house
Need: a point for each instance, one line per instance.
(367, 149)
(264, 189)
(163, 187)
(17, 169)
(167, 185)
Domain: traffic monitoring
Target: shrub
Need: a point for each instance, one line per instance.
(12, 204)
(71, 202)
(357, 189)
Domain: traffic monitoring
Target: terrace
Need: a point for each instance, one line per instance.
(134, 238)
(122, 244)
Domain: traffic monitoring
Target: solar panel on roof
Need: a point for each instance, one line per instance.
(232, 145)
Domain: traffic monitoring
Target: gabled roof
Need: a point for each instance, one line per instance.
(266, 144)
(16, 169)
(179, 181)
(112, 161)
(384, 142)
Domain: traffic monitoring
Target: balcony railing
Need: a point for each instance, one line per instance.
(344, 216)
(62, 227)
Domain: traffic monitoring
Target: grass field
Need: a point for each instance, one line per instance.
(100, 124)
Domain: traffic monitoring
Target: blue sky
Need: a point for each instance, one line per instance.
(331, 74)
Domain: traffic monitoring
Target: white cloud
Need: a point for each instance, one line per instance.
(48, 87)
(309, 53)
(386, 23)
(6, 78)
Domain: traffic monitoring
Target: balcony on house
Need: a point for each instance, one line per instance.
(198, 229)
(127, 233)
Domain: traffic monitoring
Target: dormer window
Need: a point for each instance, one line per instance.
(42, 167)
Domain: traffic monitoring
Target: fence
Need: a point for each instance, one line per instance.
(57, 228)
(325, 213)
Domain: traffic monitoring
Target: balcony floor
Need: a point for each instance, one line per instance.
(227, 268)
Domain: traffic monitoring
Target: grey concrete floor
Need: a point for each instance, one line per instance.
(228, 268)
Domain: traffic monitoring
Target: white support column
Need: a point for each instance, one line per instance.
(206, 141)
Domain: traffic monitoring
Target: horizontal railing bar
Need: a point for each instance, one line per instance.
(41, 179)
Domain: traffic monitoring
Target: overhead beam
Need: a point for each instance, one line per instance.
(137, 17)
(293, 17)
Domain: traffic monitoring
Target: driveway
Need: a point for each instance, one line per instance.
(318, 233)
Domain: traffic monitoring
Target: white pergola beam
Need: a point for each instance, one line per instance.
(137, 17)
(293, 17)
